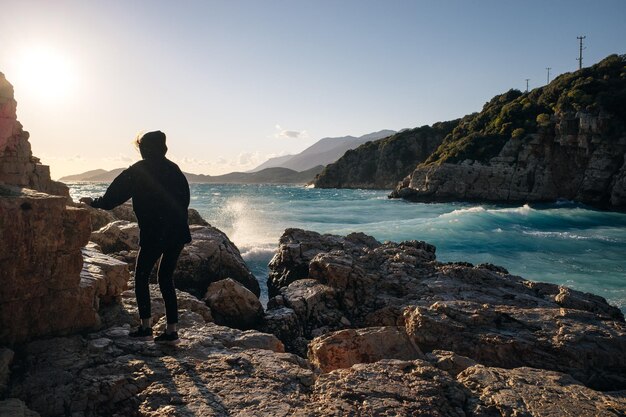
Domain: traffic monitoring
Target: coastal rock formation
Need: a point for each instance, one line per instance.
(222, 372)
(120, 235)
(348, 347)
(296, 249)
(566, 140)
(40, 267)
(533, 392)
(382, 163)
(233, 305)
(480, 312)
(210, 257)
(18, 166)
(100, 218)
(47, 287)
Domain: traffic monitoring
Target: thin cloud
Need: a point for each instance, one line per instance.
(289, 134)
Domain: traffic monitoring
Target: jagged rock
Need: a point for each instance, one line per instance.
(316, 306)
(571, 341)
(233, 305)
(100, 218)
(534, 392)
(194, 218)
(120, 235)
(40, 264)
(344, 348)
(389, 387)
(296, 249)
(18, 166)
(480, 312)
(15, 408)
(283, 322)
(449, 361)
(108, 276)
(125, 212)
(210, 257)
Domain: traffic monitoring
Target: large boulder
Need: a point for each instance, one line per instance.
(40, 267)
(121, 235)
(233, 305)
(345, 348)
(210, 257)
(298, 247)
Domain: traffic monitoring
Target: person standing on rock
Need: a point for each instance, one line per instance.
(160, 194)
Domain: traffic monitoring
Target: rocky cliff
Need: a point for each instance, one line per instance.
(566, 140)
(18, 166)
(382, 163)
(48, 286)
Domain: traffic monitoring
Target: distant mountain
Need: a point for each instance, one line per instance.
(273, 162)
(88, 174)
(323, 152)
(96, 175)
(265, 176)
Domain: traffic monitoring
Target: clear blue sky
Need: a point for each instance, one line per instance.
(227, 80)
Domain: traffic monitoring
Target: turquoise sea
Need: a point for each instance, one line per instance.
(562, 243)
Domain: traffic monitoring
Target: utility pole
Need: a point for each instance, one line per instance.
(580, 53)
(548, 68)
(527, 79)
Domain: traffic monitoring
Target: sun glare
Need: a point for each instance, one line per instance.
(45, 74)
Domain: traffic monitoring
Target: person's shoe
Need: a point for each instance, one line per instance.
(142, 333)
(167, 338)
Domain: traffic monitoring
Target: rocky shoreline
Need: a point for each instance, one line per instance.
(354, 327)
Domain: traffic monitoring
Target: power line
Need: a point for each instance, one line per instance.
(580, 52)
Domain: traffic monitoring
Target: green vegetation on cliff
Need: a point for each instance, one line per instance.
(382, 163)
(481, 136)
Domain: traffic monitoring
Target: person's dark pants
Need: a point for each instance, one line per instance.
(146, 259)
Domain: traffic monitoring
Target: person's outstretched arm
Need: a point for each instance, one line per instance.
(118, 192)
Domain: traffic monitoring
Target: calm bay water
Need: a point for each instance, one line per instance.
(560, 243)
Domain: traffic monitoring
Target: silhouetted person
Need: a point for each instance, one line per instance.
(160, 194)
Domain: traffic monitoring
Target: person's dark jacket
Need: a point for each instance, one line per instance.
(160, 194)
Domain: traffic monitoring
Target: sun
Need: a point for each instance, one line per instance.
(45, 74)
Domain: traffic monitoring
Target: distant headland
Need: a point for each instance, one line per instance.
(565, 140)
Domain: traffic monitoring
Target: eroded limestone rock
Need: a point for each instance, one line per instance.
(480, 312)
(534, 392)
(345, 348)
(233, 305)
